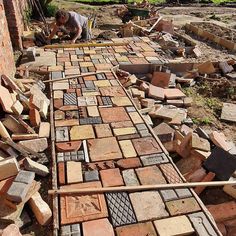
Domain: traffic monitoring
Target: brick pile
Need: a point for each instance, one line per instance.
(24, 132)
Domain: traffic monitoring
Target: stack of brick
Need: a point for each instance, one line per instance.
(23, 139)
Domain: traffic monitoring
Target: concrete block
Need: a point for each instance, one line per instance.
(39, 169)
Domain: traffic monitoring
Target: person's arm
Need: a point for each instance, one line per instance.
(77, 34)
(54, 30)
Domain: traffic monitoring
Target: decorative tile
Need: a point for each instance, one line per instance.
(70, 99)
(113, 91)
(72, 114)
(154, 159)
(106, 101)
(146, 146)
(130, 177)
(170, 173)
(70, 156)
(113, 114)
(78, 208)
(90, 120)
(62, 134)
(120, 209)
(201, 224)
(104, 149)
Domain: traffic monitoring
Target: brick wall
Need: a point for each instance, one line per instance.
(15, 12)
(7, 65)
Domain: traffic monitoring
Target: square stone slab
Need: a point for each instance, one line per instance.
(104, 149)
(120, 209)
(130, 177)
(170, 173)
(113, 114)
(141, 229)
(114, 91)
(148, 205)
(174, 226)
(111, 177)
(150, 175)
(82, 132)
(121, 101)
(145, 146)
(103, 130)
(228, 112)
(97, 228)
(78, 208)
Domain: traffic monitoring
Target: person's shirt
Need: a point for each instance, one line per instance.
(75, 20)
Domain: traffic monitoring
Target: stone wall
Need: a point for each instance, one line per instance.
(15, 13)
(7, 65)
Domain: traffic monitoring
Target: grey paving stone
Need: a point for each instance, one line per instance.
(92, 175)
(25, 177)
(90, 120)
(72, 114)
(65, 230)
(130, 177)
(101, 76)
(62, 134)
(130, 109)
(70, 156)
(201, 224)
(144, 133)
(183, 192)
(120, 209)
(70, 99)
(75, 230)
(79, 52)
(17, 192)
(202, 133)
(89, 84)
(56, 74)
(60, 157)
(75, 86)
(84, 69)
(168, 195)
(140, 127)
(154, 159)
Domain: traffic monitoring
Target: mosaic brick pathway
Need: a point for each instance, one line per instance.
(100, 141)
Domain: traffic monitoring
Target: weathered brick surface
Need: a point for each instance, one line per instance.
(15, 13)
(6, 54)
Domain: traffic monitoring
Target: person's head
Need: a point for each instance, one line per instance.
(62, 17)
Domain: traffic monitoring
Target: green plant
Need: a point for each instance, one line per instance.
(202, 121)
(50, 10)
(27, 15)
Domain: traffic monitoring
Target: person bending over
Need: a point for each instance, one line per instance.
(76, 24)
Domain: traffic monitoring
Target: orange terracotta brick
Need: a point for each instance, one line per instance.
(111, 177)
(61, 173)
(223, 211)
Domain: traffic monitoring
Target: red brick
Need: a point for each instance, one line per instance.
(111, 177)
(224, 211)
(61, 173)
(98, 228)
(6, 184)
(129, 163)
(141, 229)
(161, 79)
(35, 118)
(150, 175)
(58, 103)
(209, 177)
